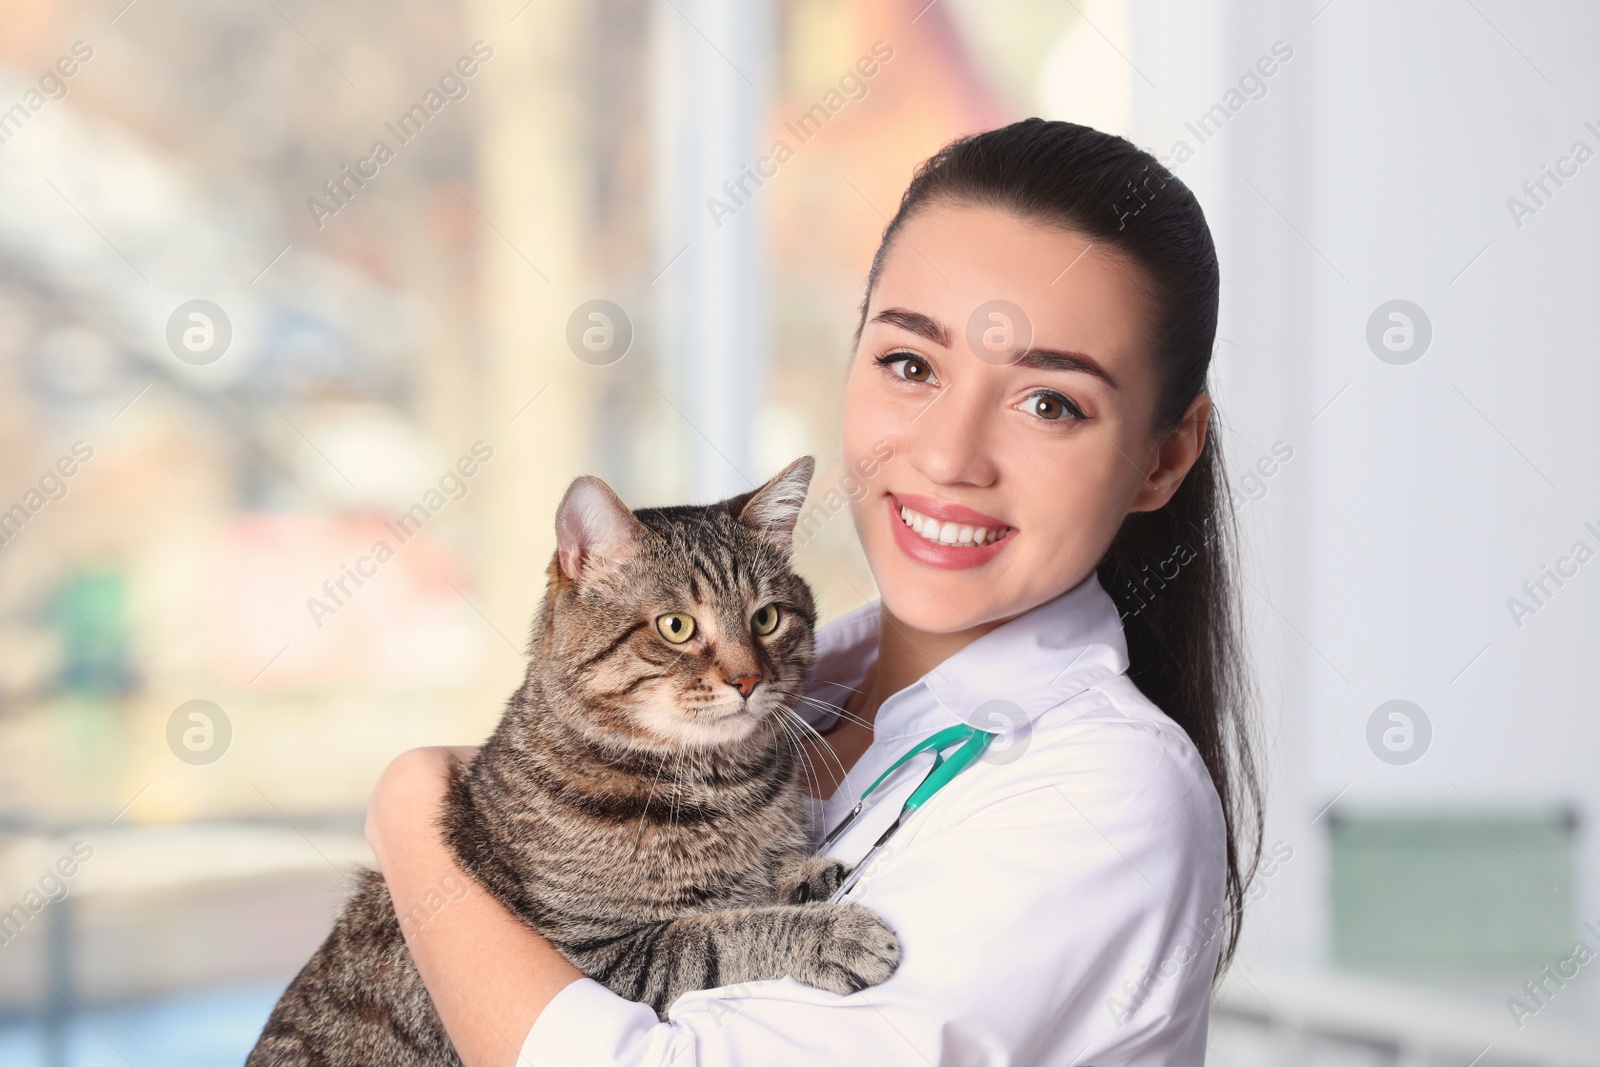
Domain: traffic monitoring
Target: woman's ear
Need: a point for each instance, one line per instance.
(1174, 456)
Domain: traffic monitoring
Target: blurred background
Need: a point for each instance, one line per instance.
(308, 314)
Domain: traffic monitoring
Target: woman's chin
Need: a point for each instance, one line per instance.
(935, 601)
(932, 601)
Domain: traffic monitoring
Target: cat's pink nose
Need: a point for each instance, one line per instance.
(745, 682)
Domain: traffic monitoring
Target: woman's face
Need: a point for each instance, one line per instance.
(1003, 366)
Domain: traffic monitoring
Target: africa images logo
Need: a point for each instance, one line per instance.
(343, 188)
(852, 86)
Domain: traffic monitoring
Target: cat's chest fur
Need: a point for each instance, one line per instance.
(588, 840)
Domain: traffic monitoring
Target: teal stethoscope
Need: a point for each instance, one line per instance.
(972, 742)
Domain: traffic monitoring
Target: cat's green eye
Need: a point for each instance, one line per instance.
(765, 620)
(677, 627)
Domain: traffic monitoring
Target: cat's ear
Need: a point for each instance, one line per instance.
(594, 528)
(773, 510)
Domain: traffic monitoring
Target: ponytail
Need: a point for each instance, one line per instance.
(1171, 573)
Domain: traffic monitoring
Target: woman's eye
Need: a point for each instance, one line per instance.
(1054, 407)
(913, 368)
(677, 627)
(765, 620)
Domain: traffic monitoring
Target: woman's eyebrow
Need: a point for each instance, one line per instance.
(1050, 359)
(916, 322)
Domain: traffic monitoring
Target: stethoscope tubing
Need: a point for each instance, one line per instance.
(972, 740)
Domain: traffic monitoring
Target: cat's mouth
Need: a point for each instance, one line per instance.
(703, 713)
(724, 714)
(707, 725)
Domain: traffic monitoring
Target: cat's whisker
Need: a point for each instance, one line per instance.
(808, 760)
(802, 756)
(815, 771)
(672, 812)
(800, 694)
(807, 728)
(856, 719)
(826, 706)
(639, 838)
(826, 749)
(787, 738)
(852, 688)
(814, 774)
(828, 703)
(802, 720)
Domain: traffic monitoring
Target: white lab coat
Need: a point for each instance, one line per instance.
(1058, 902)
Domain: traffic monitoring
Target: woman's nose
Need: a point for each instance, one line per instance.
(951, 437)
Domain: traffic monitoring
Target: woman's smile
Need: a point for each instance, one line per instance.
(942, 534)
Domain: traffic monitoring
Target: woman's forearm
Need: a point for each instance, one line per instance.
(489, 974)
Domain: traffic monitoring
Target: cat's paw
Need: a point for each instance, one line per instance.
(819, 877)
(851, 948)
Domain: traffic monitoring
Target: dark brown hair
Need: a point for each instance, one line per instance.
(1185, 630)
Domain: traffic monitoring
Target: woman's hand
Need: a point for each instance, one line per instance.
(407, 799)
(489, 974)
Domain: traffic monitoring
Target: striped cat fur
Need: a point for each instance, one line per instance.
(640, 803)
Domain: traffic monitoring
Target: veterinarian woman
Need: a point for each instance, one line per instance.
(1033, 348)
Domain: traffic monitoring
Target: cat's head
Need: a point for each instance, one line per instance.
(685, 625)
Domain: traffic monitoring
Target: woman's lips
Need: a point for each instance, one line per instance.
(945, 511)
(944, 556)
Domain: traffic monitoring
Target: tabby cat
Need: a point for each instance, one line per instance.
(640, 802)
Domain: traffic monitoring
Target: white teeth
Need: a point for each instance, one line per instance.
(950, 533)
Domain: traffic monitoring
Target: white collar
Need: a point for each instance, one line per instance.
(1042, 658)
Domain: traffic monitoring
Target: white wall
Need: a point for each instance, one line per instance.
(1377, 166)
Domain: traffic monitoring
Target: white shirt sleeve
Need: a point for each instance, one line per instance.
(1059, 909)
